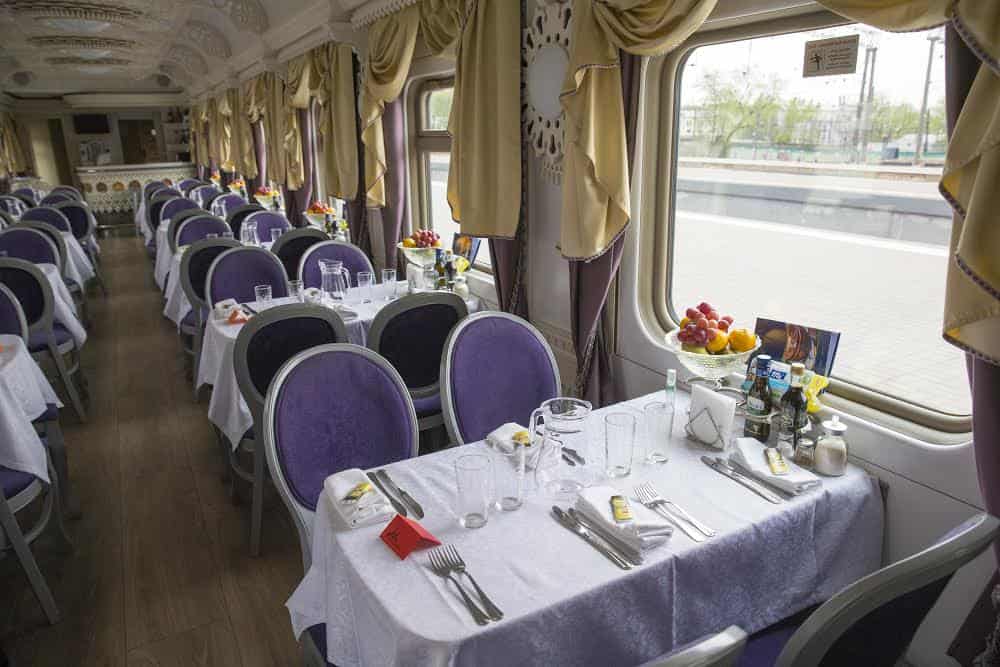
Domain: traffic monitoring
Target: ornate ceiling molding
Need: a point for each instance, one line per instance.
(96, 62)
(81, 42)
(188, 58)
(376, 9)
(47, 10)
(208, 38)
(246, 14)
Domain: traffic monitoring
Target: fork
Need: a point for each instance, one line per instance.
(677, 509)
(443, 570)
(454, 560)
(648, 497)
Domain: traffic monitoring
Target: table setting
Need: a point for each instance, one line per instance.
(25, 393)
(599, 548)
(63, 307)
(227, 409)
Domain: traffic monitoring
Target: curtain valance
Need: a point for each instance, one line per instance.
(595, 208)
(972, 164)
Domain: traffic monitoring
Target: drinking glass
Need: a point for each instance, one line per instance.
(389, 283)
(509, 470)
(249, 233)
(619, 442)
(657, 424)
(211, 236)
(276, 233)
(473, 474)
(262, 293)
(295, 290)
(366, 279)
(227, 234)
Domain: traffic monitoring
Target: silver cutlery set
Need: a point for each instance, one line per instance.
(672, 512)
(447, 563)
(740, 475)
(401, 501)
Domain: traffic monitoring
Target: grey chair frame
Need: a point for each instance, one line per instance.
(722, 649)
(315, 248)
(191, 186)
(5, 291)
(88, 241)
(19, 202)
(294, 234)
(255, 400)
(403, 305)
(175, 222)
(44, 325)
(302, 516)
(54, 208)
(817, 635)
(60, 257)
(197, 198)
(187, 219)
(68, 189)
(250, 208)
(7, 220)
(447, 393)
(78, 291)
(241, 249)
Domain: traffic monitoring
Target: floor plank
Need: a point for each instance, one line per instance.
(205, 646)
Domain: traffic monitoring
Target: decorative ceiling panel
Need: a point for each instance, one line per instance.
(246, 14)
(80, 42)
(208, 38)
(188, 58)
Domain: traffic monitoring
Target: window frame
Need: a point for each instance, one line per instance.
(666, 80)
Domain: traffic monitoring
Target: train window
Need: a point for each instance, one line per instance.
(815, 200)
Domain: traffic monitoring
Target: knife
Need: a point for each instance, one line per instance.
(249, 310)
(569, 460)
(396, 504)
(733, 465)
(578, 528)
(403, 495)
(761, 491)
(575, 455)
(630, 553)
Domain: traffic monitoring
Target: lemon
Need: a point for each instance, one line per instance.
(461, 264)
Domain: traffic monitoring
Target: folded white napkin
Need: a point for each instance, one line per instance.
(749, 453)
(594, 503)
(223, 308)
(373, 507)
(502, 437)
(710, 420)
(312, 295)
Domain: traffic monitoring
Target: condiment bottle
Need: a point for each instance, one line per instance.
(758, 408)
(831, 449)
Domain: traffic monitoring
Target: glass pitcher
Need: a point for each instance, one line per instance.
(560, 447)
(336, 280)
(249, 233)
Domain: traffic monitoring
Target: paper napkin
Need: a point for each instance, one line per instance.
(594, 503)
(223, 308)
(710, 420)
(371, 508)
(749, 453)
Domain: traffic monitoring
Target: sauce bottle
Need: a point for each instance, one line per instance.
(758, 420)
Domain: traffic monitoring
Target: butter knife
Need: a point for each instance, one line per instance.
(733, 465)
(250, 310)
(575, 455)
(742, 480)
(628, 552)
(396, 503)
(587, 537)
(405, 497)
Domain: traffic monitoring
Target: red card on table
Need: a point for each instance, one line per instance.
(404, 535)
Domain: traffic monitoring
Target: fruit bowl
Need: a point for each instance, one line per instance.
(267, 201)
(711, 366)
(317, 219)
(422, 257)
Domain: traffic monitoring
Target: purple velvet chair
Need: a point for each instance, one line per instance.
(67, 190)
(236, 217)
(266, 221)
(235, 273)
(203, 194)
(722, 649)
(28, 195)
(175, 206)
(223, 204)
(12, 320)
(31, 245)
(293, 244)
(54, 198)
(188, 184)
(411, 333)
(55, 236)
(178, 219)
(13, 205)
(506, 354)
(48, 214)
(199, 227)
(46, 338)
(83, 225)
(262, 347)
(6, 220)
(351, 255)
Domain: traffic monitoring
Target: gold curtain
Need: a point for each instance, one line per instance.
(297, 94)
(333, 86)
(972, 164)
(200, 121)
(484, 176)
(266, 104)
(12, 157)
(390, 50)
(243, 151)
(595, 201)
(223, 121)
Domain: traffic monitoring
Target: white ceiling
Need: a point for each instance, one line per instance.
(50, 48)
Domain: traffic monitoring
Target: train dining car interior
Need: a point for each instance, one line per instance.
(500, 332)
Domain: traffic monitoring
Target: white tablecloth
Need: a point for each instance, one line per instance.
(163, 256)
(24, 394)
(564, 603)
(227, 409)
(78, 266)
(177, 306)
(63, 306)
(140, 223)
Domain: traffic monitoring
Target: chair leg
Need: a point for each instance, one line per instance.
(41, 589)
(224, 448)
(74, 395)
(257, 506)
(195, 358)
(57, 451)
(97, 271)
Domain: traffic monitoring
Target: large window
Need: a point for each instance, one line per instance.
(814, 200)
(433, 153)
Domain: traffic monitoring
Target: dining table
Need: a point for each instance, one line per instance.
(78, 267)
(226, 409)
(64, 310)
(564, 603)
(25, 394)
(164, 255)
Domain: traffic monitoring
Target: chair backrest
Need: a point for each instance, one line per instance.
(266, 221)
(194, 267)
(178, 219)
(49, 214)
(505, 353)
(68, 190)
(6, 219)
(28, 195)
(52, 234)
(224, 203)
(187, 184)
(13, 205)
(411, 333)
(197, 227)
(722, 649)
(293, 244)
(235, 273)
(156, 205)
(32, 290)
(203, 194)
(12, 319)
(236, 216)
(273, 337)
(175, 206)
(54, 198)
(331, 408)
(873, 621)
(351, 255)
(148, 188)
(81, 219)
(31, 245)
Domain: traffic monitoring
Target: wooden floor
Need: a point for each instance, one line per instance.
(160, 574)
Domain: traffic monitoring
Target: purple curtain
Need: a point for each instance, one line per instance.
(357, 208)
(394, 212)
(298, 200)
(978, 642)
(590, 281)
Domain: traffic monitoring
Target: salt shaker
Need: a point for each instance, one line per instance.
(831, 449)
